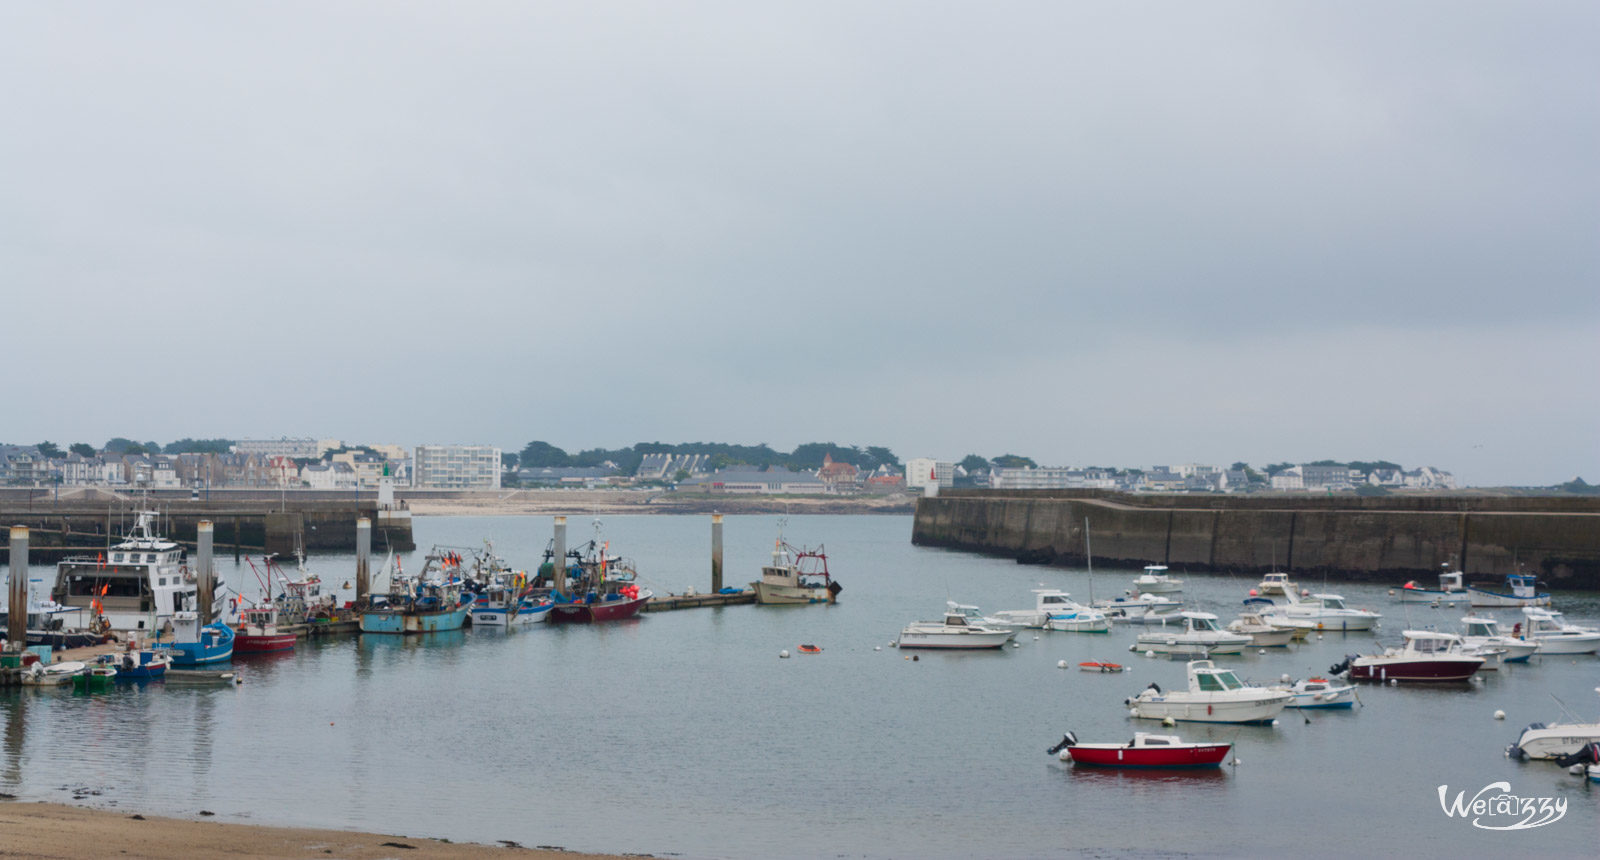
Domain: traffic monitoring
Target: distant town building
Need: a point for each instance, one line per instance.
(769, 481)
(923, 471)
(299, 449)
(662, 467)
(456, 467)
(588, 477)
(838, 477)
(337, 475)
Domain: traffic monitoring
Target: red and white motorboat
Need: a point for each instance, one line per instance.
(1145, 750)
(257, 631)
(1426, 656)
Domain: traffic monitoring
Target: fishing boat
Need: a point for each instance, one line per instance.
(137, 664)
(1156, 580)
(499, 593)
(1145, 750)
(1426, 656)
(1478, 631)
(1450, 590)
(258, 633)
(796, 575)
(298, 597)
(193, 644)
(53, 675)
(600, 587)
(1555, 636)
(1262, 633)
(1215, 695)
(1551, 740)
(1318, 693)
(1321, 612)
(137, 586)
(955, 632)
(1522, 589)
(1200, 635)
(433, 601)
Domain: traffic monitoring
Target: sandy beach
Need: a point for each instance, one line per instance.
(589, 502)
(49, 830)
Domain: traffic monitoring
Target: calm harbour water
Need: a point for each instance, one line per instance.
(683, 733)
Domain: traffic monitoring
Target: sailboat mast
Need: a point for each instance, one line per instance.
(1088, 557)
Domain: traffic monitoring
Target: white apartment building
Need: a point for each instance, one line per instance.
(303, 449)
(924, 471)
(456, 467)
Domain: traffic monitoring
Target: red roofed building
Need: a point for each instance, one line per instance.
(838, 477)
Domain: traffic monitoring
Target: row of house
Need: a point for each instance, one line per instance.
(925, 475)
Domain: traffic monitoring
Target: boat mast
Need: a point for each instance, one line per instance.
(1088, 557)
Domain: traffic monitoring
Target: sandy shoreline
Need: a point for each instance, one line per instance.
(589, 502)
(52, 830)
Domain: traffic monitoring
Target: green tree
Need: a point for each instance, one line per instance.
(680, 476)
(509, 461)
(973, 463)
(198, 446)
(538, 455)
(1014, 461)
(50, 451)
(1275, 468)
(119, 445)
(82, 449)
(1370, 466)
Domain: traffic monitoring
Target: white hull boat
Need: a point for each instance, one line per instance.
(1047, 603)
(1142, 609)
(1483, 633)
(1523, 591)
(955, 632)
(54, 675)
(1322, 612)
(1081, 620)
(1262, 634)
(1544, 741)
(1156, 581)
(1200, 635)
(1214, 696)
(1315, 693)
(1555, 635)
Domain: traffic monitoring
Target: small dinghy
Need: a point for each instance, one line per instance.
(1092, 666)
(1145, 750)
(810, 649)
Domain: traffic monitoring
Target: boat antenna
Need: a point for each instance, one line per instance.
(1566, 710)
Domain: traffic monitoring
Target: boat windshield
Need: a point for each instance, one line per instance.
(1204, 624)
(1430, 644)
(1218, 681)
(1332, 603)
(1480, 628)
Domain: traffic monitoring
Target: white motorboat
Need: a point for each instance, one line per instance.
(1142, 609)
(1156, 581)
(1426, 656)
(53, 675)
(1478, 631)
(1274, 588)
(1321, 612)
(1201, 634)
(1262, 633)
(1450, 590)
(1522, 589)
(1079, 619)
(1214, 696)
(958, 630)
(1318, 693)
(1551, 740)
(1555, 636)
(1046, 602)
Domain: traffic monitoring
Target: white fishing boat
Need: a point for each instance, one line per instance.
(1522, 589)
(1555, 636)
(53, 675)
(1551, 740)
(796, 575)
(1321, 612)
(1214, 696)
(958, 631)
(1200, 634)
(136, 586)
(1318, 693)
(1156, 580)
(1478, 631)
(1262, 633)
(1450, 590)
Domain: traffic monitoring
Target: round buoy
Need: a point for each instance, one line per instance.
(1253, 592)
(1261, 650)
(915, 658)
(1284, 678)
(1036, 638)
(1499, 715)
(784, 653)
(1061, 664)
(1150, 653)
(1168, 722)
(877, 647)
(1274, 722)
(1016, 644)
(1394, 682)
(1319, 637)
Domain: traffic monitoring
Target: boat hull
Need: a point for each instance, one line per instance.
(1262, 709)
(1423, 595)
(1494, 599)
(769, 594)
(1270, 638)
(1567, 644)
(1180, 644)
(600, 610)
(1557, 740)
(262, 643)
(414, 622)
(1080, 623)
(1379, 669)
(962, 641)
(1176, 756)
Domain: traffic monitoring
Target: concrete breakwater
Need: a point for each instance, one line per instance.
(239, 526)
(1382, 539)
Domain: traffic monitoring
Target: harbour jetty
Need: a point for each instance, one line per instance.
(1352, 538)
(252, 525)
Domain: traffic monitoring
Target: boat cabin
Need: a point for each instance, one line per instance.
(1430, 642)
(1330, 601)
(1202, 622)
(138, 584)
(1478, 626)
(1207, 678)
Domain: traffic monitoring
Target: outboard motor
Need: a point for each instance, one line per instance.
(1341, 668)
(1067, 740)
(1154, 686)
(1588, 754)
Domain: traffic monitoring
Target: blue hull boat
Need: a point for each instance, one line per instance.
(193, 645)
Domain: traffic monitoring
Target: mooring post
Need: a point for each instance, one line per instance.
(716, 553)
(559, 560)
(363, 559)
(235, 540)
(17, 620)
(205, 592)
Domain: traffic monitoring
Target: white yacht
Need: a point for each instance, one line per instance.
(1214, 696)
(1200, 634)
(1321, 612)
(1053, 609)
(1555, 636)
(136, 586)
(1478, 631)
(1156, 581)
(960, 629)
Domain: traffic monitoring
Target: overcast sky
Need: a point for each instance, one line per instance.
(1090, 233)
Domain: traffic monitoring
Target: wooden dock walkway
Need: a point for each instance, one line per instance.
(695, 601)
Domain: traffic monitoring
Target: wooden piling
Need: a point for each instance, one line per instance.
(716, 553)
(17, 618)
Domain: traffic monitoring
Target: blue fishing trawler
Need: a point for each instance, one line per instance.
(430, 602)
(196, 645)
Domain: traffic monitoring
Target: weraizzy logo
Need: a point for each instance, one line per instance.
(1494, 807)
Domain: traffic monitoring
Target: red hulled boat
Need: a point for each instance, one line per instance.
(599, 587)
(1427, 656)
(1145, 750)
(258, 633)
